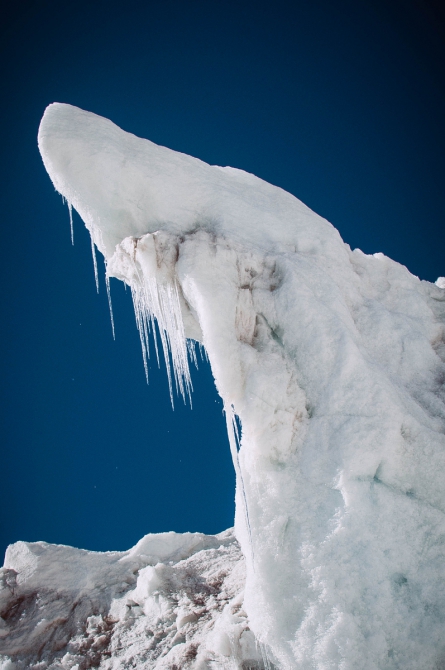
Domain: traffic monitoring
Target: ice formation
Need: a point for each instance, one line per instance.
(332, 361)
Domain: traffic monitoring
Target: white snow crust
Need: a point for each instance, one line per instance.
(332, 361)
(172, 601)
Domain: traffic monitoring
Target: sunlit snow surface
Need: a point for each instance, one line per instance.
(172, 601)
(334, 363)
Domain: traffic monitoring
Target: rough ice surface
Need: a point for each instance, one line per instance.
(334, 363)
(173, 601)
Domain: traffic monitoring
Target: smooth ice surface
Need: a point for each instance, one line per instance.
(332, 360)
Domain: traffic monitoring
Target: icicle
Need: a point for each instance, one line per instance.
(93, 251)
(157, 310)
(141, 326)
(107, 282)
(154, 300)
(191, 349)
(70, 210)
(203, 352)
(234, 442)
(155, 338)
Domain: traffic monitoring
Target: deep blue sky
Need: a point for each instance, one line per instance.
(341, 103)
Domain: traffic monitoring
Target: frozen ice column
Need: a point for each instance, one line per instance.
(332, 360)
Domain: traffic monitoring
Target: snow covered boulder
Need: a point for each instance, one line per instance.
(334, 363)
(65, 608)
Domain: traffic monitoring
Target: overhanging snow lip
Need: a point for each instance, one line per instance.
(123, 185)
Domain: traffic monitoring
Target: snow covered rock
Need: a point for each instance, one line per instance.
(332, 361)
(167, 603)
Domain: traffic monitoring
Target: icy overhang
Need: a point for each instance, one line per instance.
(123, 185)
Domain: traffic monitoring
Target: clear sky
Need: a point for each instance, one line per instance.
(341, 103)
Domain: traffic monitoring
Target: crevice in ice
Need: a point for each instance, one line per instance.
(262, 324)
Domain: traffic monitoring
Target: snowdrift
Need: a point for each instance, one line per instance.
(334, 363)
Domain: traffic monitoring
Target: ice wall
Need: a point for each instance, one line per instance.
(333, 361)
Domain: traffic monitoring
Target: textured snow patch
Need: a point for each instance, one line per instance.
(173, 601)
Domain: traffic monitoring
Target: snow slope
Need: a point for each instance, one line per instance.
(334, 362)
